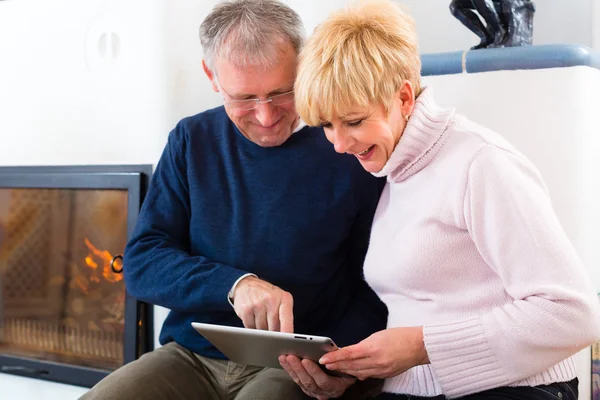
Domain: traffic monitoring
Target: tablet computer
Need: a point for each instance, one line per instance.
(263, 348)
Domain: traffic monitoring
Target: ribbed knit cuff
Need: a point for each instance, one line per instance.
(462, 359)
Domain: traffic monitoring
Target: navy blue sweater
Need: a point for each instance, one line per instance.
(220, 206)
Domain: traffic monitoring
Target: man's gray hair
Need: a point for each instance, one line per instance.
(250, 32)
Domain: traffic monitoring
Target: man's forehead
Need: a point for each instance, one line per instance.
(257, 79)
(253, 83)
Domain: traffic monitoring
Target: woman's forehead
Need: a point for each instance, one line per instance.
(345, 114)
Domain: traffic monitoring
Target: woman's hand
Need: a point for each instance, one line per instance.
(382, 355)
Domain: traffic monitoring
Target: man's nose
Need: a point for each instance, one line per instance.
(266, 114)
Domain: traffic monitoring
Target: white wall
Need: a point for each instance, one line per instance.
(596, 24)
(67, 98)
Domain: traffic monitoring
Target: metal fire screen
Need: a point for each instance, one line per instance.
(64, 312)
(61, 300)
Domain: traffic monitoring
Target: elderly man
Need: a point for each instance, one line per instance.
(251, 219)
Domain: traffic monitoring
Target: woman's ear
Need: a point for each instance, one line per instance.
(406, 94)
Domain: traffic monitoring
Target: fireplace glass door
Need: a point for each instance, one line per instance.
(64, 310)
(60, 297)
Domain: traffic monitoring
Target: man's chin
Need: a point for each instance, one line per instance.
(270, 140)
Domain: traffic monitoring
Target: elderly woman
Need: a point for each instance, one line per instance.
(486, 296)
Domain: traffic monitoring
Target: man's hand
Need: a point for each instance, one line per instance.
(313, 380)
(261, 305)
(382, 355)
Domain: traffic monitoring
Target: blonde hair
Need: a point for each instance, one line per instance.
(358, 56)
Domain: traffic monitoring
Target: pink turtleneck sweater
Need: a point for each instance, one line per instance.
(466, 244)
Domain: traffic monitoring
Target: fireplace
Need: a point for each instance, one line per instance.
(65, 315)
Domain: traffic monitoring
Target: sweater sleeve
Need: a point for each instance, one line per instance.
(554, 311)
(158, 267)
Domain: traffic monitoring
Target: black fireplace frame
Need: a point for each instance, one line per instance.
(137, 341)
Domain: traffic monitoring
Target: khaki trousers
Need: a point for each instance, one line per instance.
(173, 372)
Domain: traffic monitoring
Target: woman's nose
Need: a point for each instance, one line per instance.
(341, 141)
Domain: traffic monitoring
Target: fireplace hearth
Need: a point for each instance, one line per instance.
(65, 314)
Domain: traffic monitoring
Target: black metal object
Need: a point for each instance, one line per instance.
(508, 23)
(138, 324)
(112, 264)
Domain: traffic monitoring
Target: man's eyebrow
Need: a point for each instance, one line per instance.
(271, 93)
(242, 96)
(282, 90)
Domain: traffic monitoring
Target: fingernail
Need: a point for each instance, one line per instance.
(321, 361)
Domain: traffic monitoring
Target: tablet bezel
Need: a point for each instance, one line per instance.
(262, 348)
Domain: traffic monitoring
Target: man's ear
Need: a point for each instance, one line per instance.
(211, 76)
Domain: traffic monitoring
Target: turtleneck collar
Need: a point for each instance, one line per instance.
(421, 140)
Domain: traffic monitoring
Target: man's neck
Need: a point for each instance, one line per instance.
(299, 124)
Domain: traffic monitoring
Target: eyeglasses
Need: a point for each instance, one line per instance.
(252, 104)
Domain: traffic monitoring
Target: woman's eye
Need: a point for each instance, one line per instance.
(326, 125)
(355, 123)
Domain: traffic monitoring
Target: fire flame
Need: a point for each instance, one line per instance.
(105, 258)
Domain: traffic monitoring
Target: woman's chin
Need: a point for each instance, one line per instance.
(373, 161)
(371, 166)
